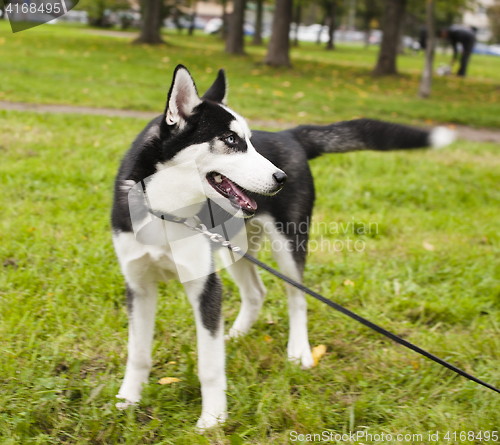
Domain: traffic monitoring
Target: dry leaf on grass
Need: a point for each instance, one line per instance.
(168, 380)
(318, 352)
(428, 246)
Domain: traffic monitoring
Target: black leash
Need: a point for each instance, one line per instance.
(366, 322)
(217, 238)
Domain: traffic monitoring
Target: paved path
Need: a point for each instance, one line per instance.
(464, 132)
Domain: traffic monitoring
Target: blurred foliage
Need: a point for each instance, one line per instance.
(494, 16)
(99, 10)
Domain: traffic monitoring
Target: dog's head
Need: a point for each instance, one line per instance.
(217, 139)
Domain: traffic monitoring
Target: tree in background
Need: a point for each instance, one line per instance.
(297, 18)
(332, 16)
(278, 52)
(235, 35)
(192, 5)
(223, 29)
(494, 16)
(151, 23)
(259, 17)
(370, 12)
(426, 81)
(393, 14)
(3, 5)
(331, 10)
(98, 10)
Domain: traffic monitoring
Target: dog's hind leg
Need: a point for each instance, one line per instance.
(141, 302)
(205, 296)
(252, 289)
(290, 252)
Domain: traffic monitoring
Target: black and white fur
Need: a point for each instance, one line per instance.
(206, 131)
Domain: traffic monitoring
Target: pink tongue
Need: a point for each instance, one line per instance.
(242, 199)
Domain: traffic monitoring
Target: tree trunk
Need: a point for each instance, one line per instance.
(426, 81)
(394, 12)
(223, 29)
(257, 37)
(367, 30)
(318, 38)
(150, 31)
(278, 52)
(235, 38)
(193, 18)
(298, 18)
(401, 32)
(331, 28)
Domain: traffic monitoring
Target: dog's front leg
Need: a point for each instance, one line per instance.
(141, 302)
(205, 295)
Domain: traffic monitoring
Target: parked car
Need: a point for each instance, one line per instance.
(213, 26)
(489, 50)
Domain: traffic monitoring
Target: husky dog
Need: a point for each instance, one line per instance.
(241, 171)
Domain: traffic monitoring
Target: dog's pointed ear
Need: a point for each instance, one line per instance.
(218, 91)
(182, 97)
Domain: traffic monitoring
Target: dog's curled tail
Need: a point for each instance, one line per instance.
(368, 134)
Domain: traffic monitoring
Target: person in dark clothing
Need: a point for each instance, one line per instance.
(466, 36)
(455, 34)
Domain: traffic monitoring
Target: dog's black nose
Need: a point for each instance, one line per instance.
(280, 177)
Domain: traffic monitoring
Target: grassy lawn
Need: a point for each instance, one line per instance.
(52, 64)
(429, 270)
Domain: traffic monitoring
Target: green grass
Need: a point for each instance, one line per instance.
(64, 321)
(63, 325)
(52, 64)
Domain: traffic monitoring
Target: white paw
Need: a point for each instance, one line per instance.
(234, 333)
(209, 420)
(125, 404)
(302, 356)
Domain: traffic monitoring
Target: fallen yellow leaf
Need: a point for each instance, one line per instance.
(171, 363)
(318, 352)
(268, 338)
(428, 246)
(168, 380)
(348, 283)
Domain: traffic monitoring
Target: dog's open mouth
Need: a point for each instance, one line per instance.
(237, 197)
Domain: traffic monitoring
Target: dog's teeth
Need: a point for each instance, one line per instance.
(218, 179)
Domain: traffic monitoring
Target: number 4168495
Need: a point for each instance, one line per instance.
(32, 8)
(462, 436)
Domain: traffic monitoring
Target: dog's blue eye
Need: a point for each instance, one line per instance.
(230, 140)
